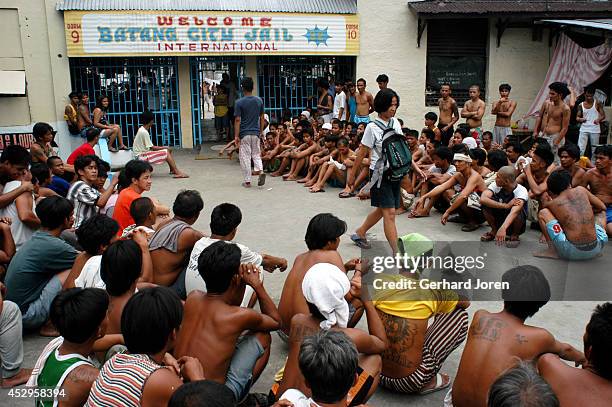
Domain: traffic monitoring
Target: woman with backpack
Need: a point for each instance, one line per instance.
(390, 162)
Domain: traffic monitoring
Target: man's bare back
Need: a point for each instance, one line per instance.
(572, 209)
(168, 265)
(364, 103)
(405, 344)
(209, 332)
(496, 341)
(575, 386)
(115, 309)
(83, 117)
(292, 299)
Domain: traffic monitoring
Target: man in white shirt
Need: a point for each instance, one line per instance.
(144, 149)
(504, 206)
(224, 222)
(340, 106)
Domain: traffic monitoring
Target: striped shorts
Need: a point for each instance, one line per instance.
(154, 157)
(443, 336)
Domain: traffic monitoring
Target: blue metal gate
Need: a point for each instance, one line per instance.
(288, 82)
(133, 85)
(210, 69)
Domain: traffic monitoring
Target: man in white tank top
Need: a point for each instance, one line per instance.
(590, 115)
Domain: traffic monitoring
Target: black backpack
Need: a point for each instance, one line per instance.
(395, 159)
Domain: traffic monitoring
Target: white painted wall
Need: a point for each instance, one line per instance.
(389, 45)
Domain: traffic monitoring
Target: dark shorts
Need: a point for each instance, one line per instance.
(221, 122)
(500, 216)
(446, 135)
(387, 195)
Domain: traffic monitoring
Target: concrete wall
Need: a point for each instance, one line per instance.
(33, 40)
(389, 45)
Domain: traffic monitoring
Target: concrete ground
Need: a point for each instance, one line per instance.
(275, 218)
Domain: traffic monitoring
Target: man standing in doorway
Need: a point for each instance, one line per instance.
(365, 103)
(449, 113)
(472, 111)
(248, 126)
(340, 109)
(383, 81)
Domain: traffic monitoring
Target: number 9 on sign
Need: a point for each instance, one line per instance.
(75, 35)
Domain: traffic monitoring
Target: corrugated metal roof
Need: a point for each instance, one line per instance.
(287, 6)
(434, 7)
(603, 24)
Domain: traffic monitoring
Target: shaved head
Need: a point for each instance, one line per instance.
(508, 173)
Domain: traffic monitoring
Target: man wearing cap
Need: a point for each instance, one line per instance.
(467, 185)
(305, 115)
(249, 124)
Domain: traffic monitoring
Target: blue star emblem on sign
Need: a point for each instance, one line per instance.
(317, 35)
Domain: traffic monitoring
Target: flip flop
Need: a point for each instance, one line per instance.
(513, 243)
(487, 237)
(261, 180)
(346, 194)
(125, 148)
(360, 241)
(314, 192)
(469, 228)
(439, 385)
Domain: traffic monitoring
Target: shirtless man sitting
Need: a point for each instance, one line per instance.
(592, 385)
(465, 198)
(322, 238)
(449, 113)
(599, 181)
(316, 160)
(496, 340)
(324, 288)
(365, 103)
(224, 221)
(334, 168)
(172, 242)
(503, 110)
(534, 178)
(569, 155)
(214, 324)
(440, 172)
(472, 112)
(299, 157)
(554, 117)
(568, 222)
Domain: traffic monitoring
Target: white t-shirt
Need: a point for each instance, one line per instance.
(90, 274)
(297, 398)
(451, 170)
(520, 192)
(20, 231)
(470, 142)
(372, 138)
(142, 142)
(193, 279)
(340, 102)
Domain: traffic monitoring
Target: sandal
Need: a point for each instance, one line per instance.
(345, 194)
(439, 385)
(513, 242)
(469, 227)
(124, 148)
(487, 237)
(362, 242)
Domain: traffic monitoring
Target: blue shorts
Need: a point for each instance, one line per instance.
(362, 119)
(240, 373)
(609, 214)
(572, 251)
(38, 311)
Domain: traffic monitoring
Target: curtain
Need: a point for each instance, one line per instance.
(574, 65)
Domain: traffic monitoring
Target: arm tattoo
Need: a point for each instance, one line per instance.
(521, 339)
(299, 332)
(83, 374)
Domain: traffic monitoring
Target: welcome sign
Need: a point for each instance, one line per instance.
(209, 33)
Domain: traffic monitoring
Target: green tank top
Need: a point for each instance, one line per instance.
(54, 372)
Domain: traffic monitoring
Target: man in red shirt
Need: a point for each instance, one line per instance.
(92, 135)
